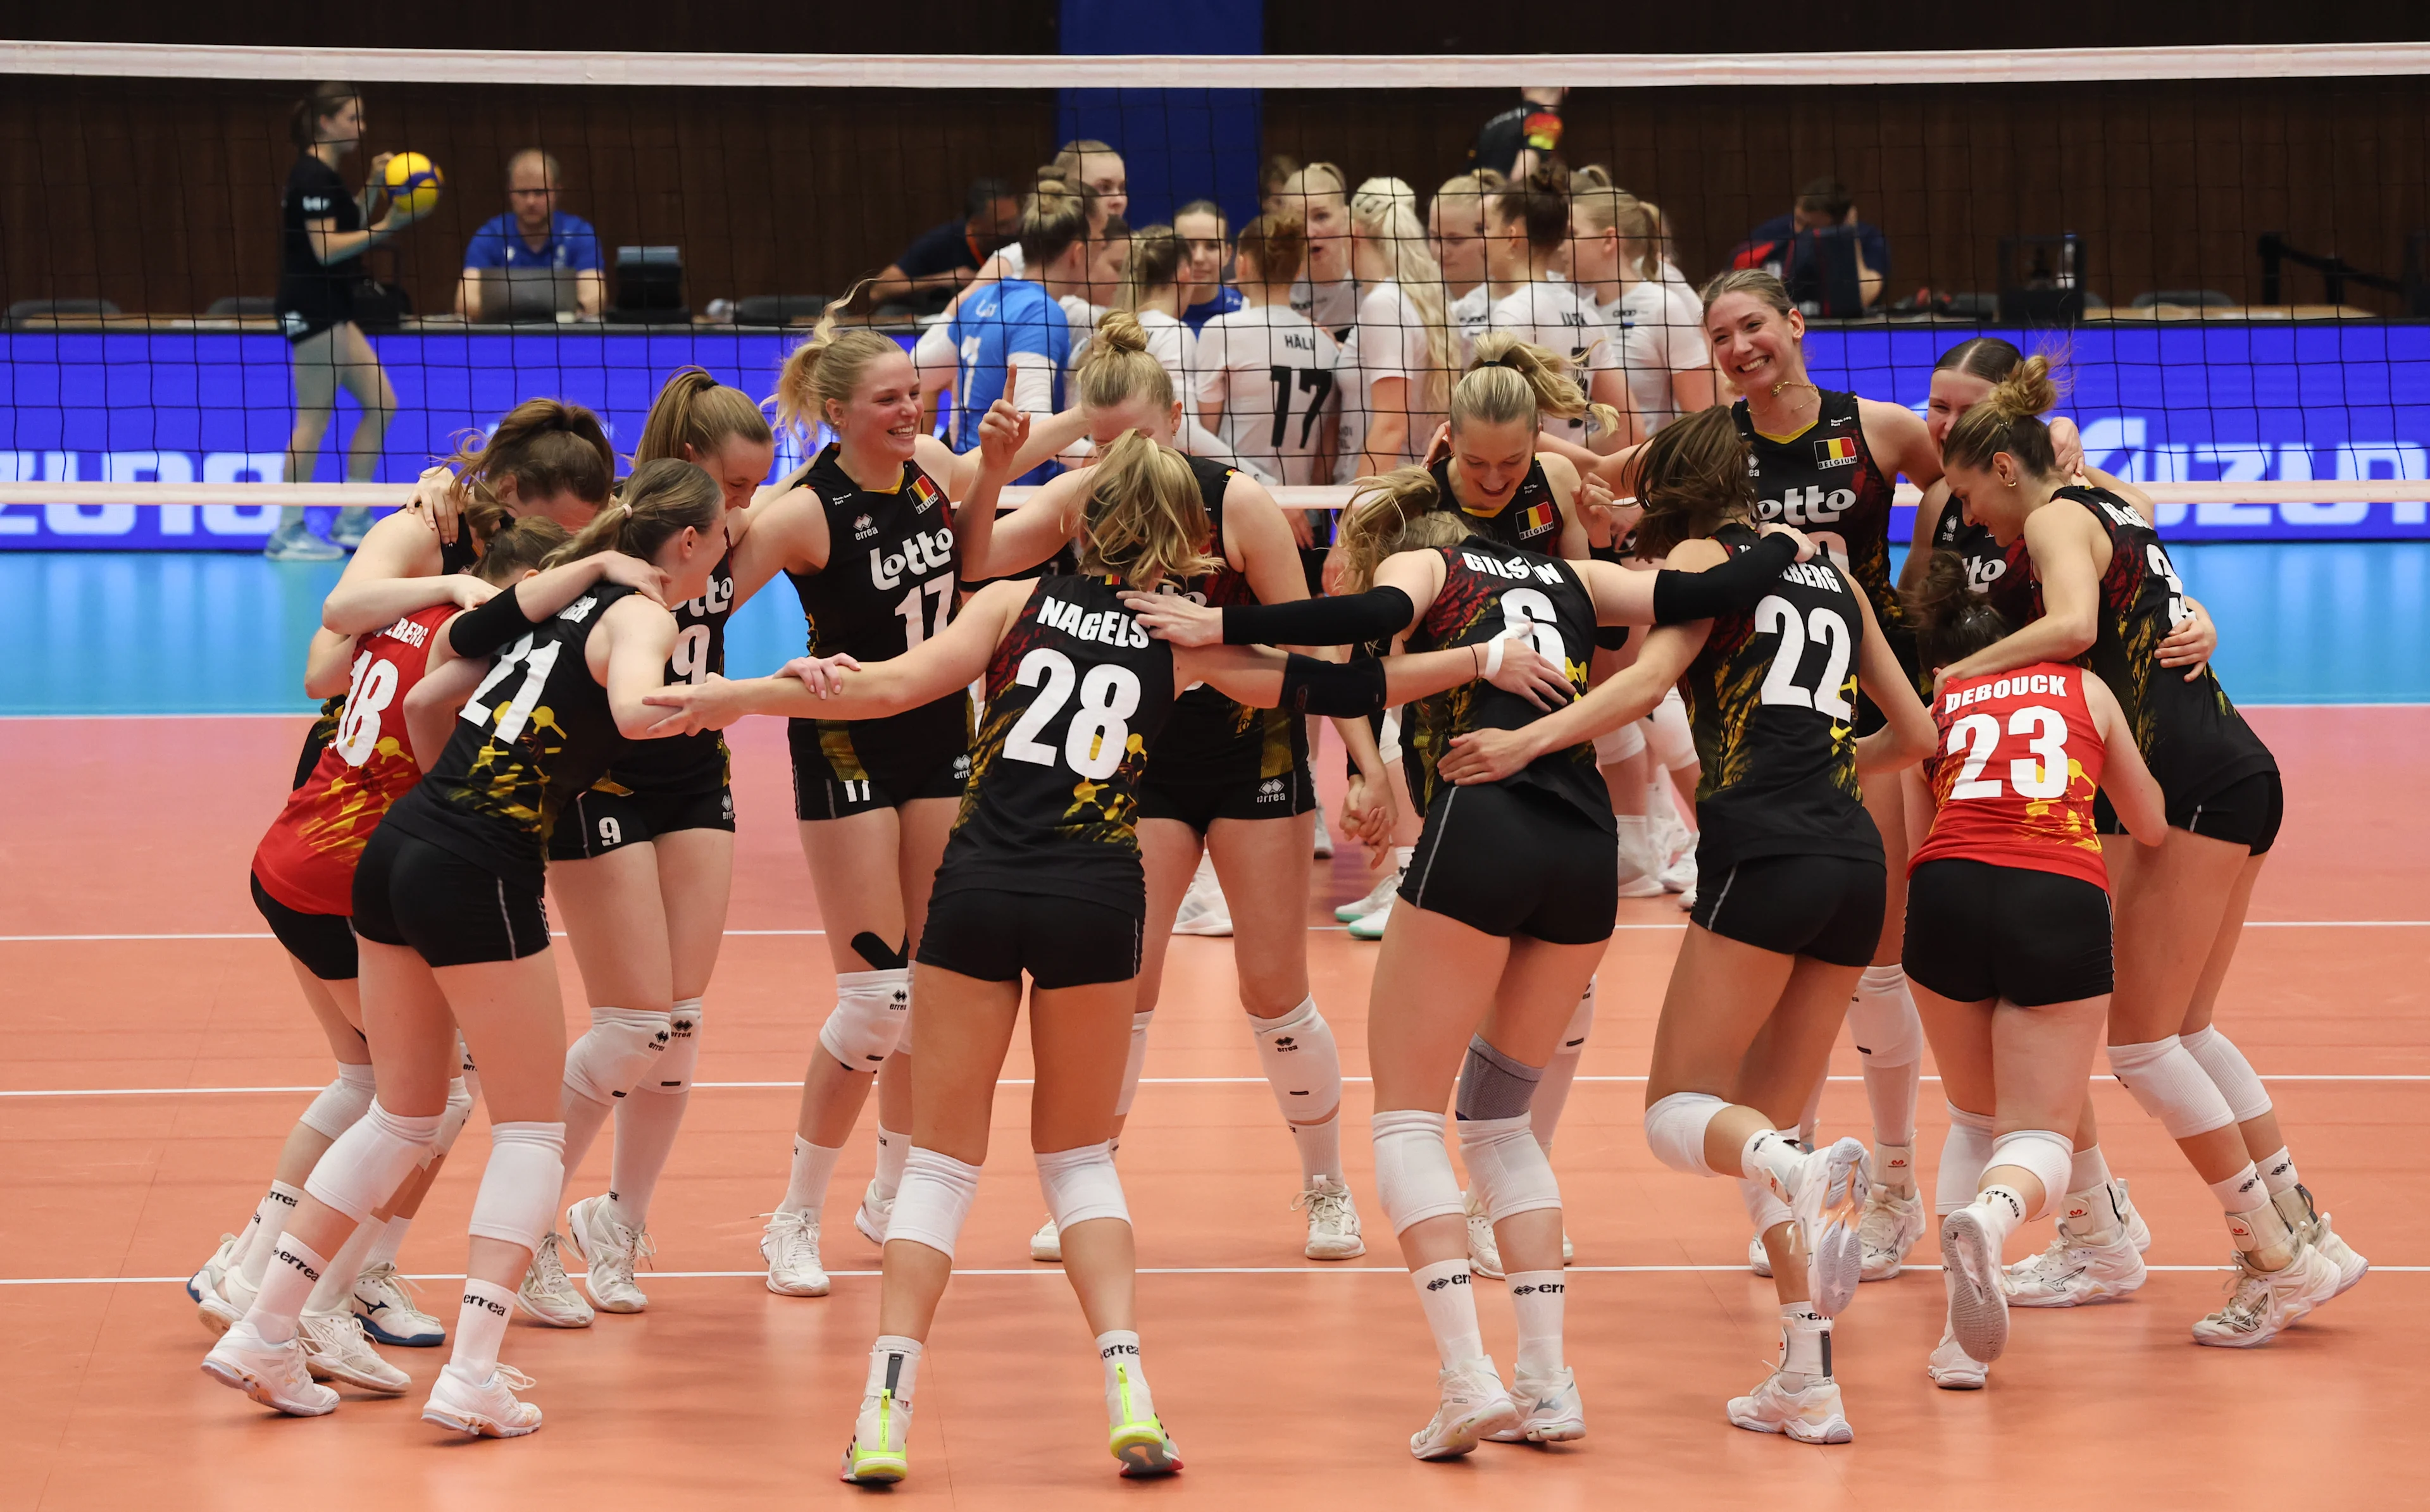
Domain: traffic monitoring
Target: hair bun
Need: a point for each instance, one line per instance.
(1121, 331)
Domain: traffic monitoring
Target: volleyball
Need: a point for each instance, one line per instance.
(413, 182)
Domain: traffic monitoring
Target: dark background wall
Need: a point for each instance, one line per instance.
(163, 195)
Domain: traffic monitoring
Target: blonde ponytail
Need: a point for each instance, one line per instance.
(2009, 420)
(1402, 511)
(828, 367)
(1509, 379)
(1145, 520)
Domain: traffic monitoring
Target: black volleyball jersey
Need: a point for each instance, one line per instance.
(1825, 482)
(322, 294)
(2191, 736)
(1772, 701)
(888, 585)
(1491, 590)
(537, 731)
(1530, 521)
(1076, 691)
(317, 736)
(2001, 576)
(1210, 739)
(698, 762)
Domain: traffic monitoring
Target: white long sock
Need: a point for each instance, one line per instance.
(646, 1124)
(2090, 1168)
(893, 1151)
(2004, 1210)
(295, 1268)
(1303, 1065)
(334, 1291)
(269, 1221)
(1894, 1164)
(813, 1169)
(1127, 1394)
(2277, 1172)
(894, 1366)
(1446, 1292)
(584, 1118)
(1538, 1297)
(1805, 1341)
(1771, 1157)
(481, 1327)
(391, 1240)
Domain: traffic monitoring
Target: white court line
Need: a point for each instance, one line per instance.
(761, 1276)
(1313, 929)
(1009, 1081)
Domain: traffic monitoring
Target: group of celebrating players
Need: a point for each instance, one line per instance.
(1014, 739)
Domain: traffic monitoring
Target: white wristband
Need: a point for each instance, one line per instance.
(1493, 655)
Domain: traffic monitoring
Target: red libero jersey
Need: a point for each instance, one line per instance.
(307, 861)
(2014, 772)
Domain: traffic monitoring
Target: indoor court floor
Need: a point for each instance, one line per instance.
(160, 1056)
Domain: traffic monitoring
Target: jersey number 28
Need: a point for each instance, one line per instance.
(1094, 744)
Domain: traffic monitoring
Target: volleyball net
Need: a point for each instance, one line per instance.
(2230, 247)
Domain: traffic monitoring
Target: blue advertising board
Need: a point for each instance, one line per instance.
(2345, 399)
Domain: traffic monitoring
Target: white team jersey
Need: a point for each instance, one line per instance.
(1557, 317)
(1082, 318)
(1660, 325)
(1333, 305)
(1275, 374)
(1175, 349)
(1389, 342)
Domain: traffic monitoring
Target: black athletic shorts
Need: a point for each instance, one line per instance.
(1513, 860)
(995, 935)
(1902, 647)
(1200, 803)
(450, 912)
(596, 821)
(323, 942)
(819, 792)
(1827, 906)
(1977, 931)
(2247, 811)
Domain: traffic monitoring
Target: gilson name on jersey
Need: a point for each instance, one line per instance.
(1516, 572)
(923, 552)
(2053, 685)
(1813, 574)
(1103, 626)
(1806, 506)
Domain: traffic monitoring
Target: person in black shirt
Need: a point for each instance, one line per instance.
(945, 257)
(1828, 257)
(322, 238)
(1515, 143)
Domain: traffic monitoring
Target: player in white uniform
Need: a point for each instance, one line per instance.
(1266, 375)
(1526, 231)
(1396, 377)
(1615, 258)
(1455, 230)
(1106, 269)
(1324, 291)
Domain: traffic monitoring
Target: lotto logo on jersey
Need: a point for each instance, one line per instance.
(1106, 628)
(719, 599)
(923, 553)
(1982, 574)
(1807, 506)
(1836, 451)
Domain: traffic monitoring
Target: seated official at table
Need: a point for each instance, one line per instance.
(529, 244)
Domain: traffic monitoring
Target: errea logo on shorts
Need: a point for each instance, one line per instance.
(1272, 791)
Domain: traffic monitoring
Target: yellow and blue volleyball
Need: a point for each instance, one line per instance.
(413, 182)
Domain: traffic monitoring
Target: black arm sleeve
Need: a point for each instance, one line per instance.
(486, 631)
(1377, 614)
(1336, 690)
(1735, 584)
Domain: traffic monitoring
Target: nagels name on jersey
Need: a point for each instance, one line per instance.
(1807, 506)
(1103, 626)
(923, 552)
(1516, 572)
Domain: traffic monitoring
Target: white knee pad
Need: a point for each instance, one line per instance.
(933, 1201)
(622, 1047)
(1412, 1169)
(2049, 1156)
(680, 1061)
(2229, 1072)
(1081, 1185)
(342, 1102)
(368, 1162)
(1302, 1062)
(1765, 1210)
(1507, 1167)
(1133, 1062)
(1674, 741)
(1674, 1128)
(1965, 1155)
(1882, 1017)
(871, 1009)
(1612, 747)
(452, 1120)
(517, 1202)
(2167, 1083)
